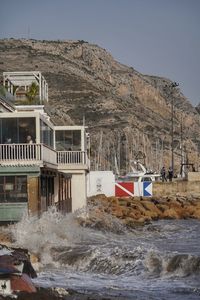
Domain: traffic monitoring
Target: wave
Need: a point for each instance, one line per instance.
(53, 230)
(73, 241)
(173, 264)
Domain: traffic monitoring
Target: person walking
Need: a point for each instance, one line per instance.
(163, 174)
(170, 173)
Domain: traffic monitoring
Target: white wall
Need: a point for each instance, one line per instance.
(78, 190)
(101, 182)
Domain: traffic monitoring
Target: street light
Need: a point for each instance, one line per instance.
(171, 86)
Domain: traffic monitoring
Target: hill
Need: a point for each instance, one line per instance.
(128, 113)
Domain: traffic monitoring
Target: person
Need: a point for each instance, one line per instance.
(9, 149)
(29, 139)
(170, 173)
(8, 141)
(163, 174)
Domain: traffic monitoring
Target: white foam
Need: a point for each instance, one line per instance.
(5, 251)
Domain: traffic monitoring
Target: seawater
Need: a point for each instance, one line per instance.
(160, 260)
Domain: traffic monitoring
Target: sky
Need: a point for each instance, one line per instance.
(155, 37)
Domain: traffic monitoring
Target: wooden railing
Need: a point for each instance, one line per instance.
(71, 157)
(27, 153)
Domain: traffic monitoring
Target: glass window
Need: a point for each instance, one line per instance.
(21, 184)
(1, 185)
(9, 131)
(16, 130)
(60, 141)
(13, 189)
(46, 134)
(26, 128)
(67, 140)
(77, 140)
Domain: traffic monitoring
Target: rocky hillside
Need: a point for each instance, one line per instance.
(128, 114)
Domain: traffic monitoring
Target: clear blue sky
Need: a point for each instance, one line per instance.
(156, 37)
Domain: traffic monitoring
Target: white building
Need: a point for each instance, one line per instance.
(40, 164)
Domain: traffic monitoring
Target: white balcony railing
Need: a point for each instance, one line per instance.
(71, 157)
(27, 153)
(40, 153)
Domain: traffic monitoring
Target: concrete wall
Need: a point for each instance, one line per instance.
(100, 182)
(169, 188)
(78, 190)
(193, 176)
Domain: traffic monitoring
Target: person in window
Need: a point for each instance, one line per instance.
(29, 139)
(8, 141)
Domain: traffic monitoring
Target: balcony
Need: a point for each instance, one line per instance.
(26, 154)
(40, 154)
(72, 160)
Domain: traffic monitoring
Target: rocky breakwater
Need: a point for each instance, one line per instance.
(138, 210)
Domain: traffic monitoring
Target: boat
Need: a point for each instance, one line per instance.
(139, 173)
(16, 272)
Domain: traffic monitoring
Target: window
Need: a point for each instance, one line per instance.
(13, 189)
(26, 127)
(146, 179)
(16, 130)
(67, 140)
(46, 134)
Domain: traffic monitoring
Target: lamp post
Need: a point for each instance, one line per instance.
(171, 86)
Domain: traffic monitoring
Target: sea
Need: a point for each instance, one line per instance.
(160, 260)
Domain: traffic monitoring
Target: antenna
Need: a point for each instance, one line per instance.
(28, 33)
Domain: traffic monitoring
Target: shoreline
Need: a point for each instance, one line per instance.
(133, 211)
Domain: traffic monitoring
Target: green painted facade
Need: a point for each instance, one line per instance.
(16, 170)
(12, 211)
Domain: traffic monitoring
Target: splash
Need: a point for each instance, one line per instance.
(98, 219)
(94, 242)
(53, 230)
(171, 264)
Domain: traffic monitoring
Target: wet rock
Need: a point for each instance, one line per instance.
(196, 213)
(137, 209)
(5, 237)
(170, 213)
(152, 208)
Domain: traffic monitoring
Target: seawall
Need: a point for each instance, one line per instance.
(175, 187)
(140, 210)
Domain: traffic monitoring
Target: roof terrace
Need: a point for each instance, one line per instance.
(27, 87)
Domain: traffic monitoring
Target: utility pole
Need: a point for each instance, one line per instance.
(171, 87)
(181, 146)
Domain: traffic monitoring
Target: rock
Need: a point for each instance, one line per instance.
(152, 207)
(5, 237)
(171, 214)
(117, 212)
(196, 213)
(136, 210)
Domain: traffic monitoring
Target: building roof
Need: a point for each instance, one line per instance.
(22, 78)
(6, 103)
